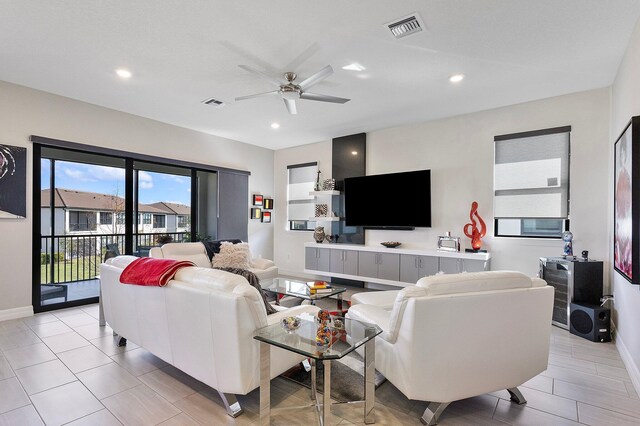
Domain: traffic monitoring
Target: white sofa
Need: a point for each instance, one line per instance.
(195, 252)
(202, 322)
(451, 337)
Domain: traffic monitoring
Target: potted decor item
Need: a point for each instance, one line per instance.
(318, 234)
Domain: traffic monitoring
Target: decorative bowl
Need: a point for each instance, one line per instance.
(290, 324)
(391, 244)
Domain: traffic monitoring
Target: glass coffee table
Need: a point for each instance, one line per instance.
(295, 288)
(345, 339)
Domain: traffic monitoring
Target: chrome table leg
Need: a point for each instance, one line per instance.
(314, 389)
(265, 384)
(369, 381)
(326, 397)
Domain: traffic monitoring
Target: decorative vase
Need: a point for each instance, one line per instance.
(471, 230)
(567, 237)
(323, 334)
(318, 234)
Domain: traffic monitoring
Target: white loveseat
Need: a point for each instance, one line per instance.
(195, 252)
(202, 322)
(456, 336)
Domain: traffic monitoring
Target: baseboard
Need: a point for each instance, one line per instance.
(627, 360)
(13, 313)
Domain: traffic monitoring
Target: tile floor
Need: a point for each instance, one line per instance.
(62, 368)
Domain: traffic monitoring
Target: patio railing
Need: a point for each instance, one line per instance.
(71, 258)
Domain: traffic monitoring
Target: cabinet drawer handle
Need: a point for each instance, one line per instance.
(415, 262)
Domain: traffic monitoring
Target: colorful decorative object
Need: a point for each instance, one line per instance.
(318, 234)
(567, 237)
(268, 203)
(322, 210)
(290, 324)
(256, 213)
(472, 231)
(257, 200)
(323, 334)
(266, 217)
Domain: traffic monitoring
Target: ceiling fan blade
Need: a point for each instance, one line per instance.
(316, 78)
(323, 98)
(291, 105)
(262, 75)
(257, 95)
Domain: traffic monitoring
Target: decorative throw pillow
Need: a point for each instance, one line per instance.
(232, 256)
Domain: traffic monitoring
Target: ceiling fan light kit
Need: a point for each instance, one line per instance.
(289, 91)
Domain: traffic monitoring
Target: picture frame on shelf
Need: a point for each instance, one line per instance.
(328, 184)
(258, 200)
(268, 204)
(321, 210)
(256, 213)
(266, 217)
(626, 203)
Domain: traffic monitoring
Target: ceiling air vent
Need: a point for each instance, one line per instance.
(405, 26)
(213, 102)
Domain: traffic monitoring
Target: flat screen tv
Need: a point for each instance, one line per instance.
(395, 200)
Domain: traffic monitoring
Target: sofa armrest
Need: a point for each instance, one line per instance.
(373, 315)
(262, 263)
(302, 310)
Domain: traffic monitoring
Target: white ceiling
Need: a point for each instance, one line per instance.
(182, 52)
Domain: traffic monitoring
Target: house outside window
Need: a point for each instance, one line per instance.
(301, 205)
(182, 221)
(82, 221)
(531, 183)
(106, 218)
(120, 218)
(146, 219)
(159, 221)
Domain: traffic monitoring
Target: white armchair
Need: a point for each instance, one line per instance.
(456, 336)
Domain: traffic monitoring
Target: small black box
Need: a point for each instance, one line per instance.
(592, 322)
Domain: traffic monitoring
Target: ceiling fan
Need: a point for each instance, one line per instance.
(290, 91)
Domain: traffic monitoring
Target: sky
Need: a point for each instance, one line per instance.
(152, 187)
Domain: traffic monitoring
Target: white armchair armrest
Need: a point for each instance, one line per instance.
(295, 311)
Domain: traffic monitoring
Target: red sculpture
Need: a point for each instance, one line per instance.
(474, 233)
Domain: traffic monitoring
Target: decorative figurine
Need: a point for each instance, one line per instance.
(474, 233)
(567, 237)
(323, 335)
(318, 185)
(318, 234)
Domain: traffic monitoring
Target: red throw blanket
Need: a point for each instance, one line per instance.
(152, 272)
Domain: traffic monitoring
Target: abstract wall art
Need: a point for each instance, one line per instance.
(13, 182)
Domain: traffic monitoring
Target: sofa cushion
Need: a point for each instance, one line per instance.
(214, 279)
(233, 256)
(121, 261)
(213, 247)
(194, 252)
(474, 282)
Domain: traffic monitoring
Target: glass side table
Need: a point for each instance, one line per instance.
(295, 288)
(303, 341)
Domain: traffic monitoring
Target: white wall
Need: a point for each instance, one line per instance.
(625, 103)
(459, 151)
(25, 112)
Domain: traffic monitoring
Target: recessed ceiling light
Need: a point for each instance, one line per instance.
(354, 67)
(354, 152)
(456, 78)
(275, 125)
(123, 73)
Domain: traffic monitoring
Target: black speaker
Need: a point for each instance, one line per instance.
(591, 322)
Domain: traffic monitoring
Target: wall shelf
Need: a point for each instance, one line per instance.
(318, 193)
(324, 219)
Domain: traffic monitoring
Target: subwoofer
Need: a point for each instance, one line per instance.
(591, 322)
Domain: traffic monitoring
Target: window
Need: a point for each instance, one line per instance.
(531, 183)
(300, 205)
(159, 220)
(182, 221)
(146, 219)
(120, 218)
(106, 218)
(82, 221)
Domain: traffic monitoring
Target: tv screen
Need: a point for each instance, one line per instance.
(395, 200)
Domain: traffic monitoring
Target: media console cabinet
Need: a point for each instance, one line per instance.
(398, 267)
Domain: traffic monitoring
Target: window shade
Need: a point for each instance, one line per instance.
(300, 205)
(531, 175)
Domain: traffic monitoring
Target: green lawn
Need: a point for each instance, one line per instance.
(84, 268)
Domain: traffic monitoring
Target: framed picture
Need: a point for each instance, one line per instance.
(256, 213)
(268, 203)
(257, 200)
(626, 203)
(13, 182)
(266, 217)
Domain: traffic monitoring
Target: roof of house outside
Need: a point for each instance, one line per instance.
(172, 208)
(74, 199)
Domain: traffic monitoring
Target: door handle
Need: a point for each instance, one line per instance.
(415, 262)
